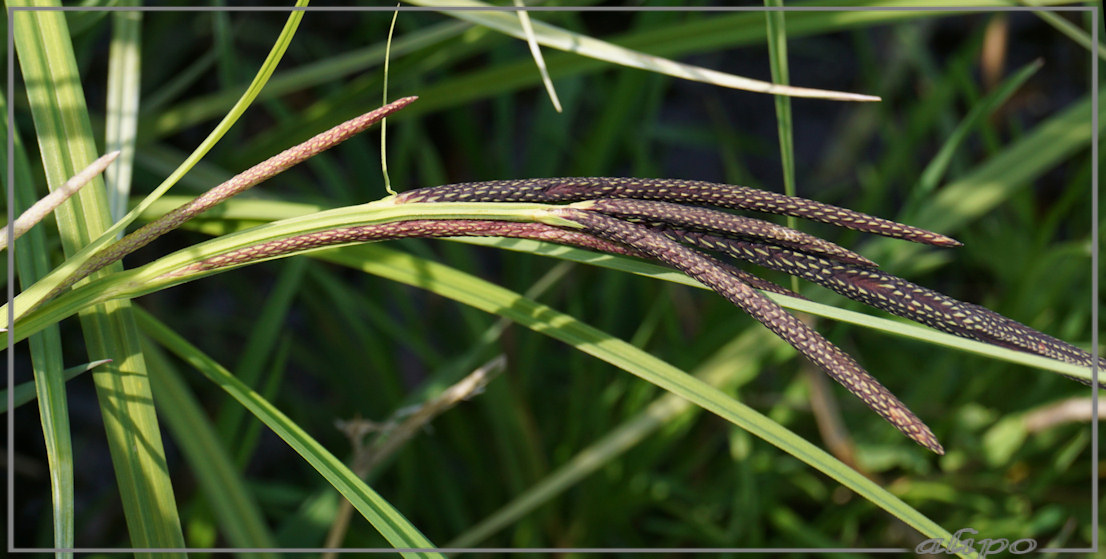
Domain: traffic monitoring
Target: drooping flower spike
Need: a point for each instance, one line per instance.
(839, 365)
(660, 218)
(714, 221)
(893, 294)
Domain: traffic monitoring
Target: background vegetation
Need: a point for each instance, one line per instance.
(325, 343)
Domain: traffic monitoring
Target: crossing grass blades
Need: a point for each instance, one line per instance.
(671, 221)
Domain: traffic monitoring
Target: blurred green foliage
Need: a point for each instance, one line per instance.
(325, 343)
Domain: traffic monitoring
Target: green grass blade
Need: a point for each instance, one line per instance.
(324, 71)
(35, 294)
(933, 173)
(26, 392)
(65, 140)
(980, 190)
(391, 524)
(714, 33)
(1070, 30)
(124, 70)
(261, 343)
(240, 518)
(720, 371)
(725, 30)
(472, 291)
(561, 39)
(777, 56)
(46, 351)
(897, 327)
(535, 51)
(276, 53)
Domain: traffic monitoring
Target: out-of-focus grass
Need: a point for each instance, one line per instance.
(359, 346)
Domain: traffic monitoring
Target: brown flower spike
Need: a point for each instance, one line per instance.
(575, 189)
(237, 184)
(829, 357)
(659, 218)
(894, 295)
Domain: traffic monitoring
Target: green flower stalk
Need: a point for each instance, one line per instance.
(425, 228)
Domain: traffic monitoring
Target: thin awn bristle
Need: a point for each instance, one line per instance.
(829, 357)
(575, 189)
